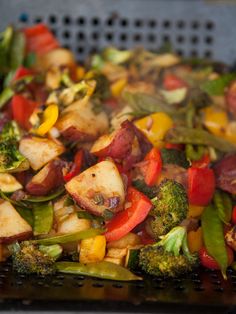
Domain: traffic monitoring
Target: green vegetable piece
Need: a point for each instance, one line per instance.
(10, 131)
(116, 56)
(41, 199)
(213, 235)
(183, 135)
(30, 60)
(5, 96)
(54, 251)
(104, 270)
(223, 206)
(70, 237)
(150, 191)
(175, 157)
(217, 86)
(17, 50)
(83, 214)
(11, 159)
(43, 218)
(194, 153)
(5, 42)
(26, 214)
(132, 259)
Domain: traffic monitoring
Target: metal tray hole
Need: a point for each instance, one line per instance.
(196, 281)
(209, 40)
(166, 38)
(38, 20)
(117, 285)
(19, 283)
(151, 38)
(60, 277)
(80, 50)
(66, 34)
(152, 23)
(79, 277)
(137, 37)
(216, 282)
(66, 20)
(180, 52)
(219, 289)
(57, 283)
(109, 36)
(195, 24)
(98, 285)
(194, 39)
(160, 287)
(110, 22)
(208, 54)
(180, 39)
(194, 53)
(199, 289)
(210, 25)
(52, 19)
(80, 36)
(123, 37)
(166, 24)
(95, 21)
(138, 23)
(180, 24)
(95, 36)
(179, 288)
(81, 21)
(2, 276)
(124, 22)
(23, 18)
(78, 284)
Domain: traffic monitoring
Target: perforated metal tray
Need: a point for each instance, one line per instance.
(195, 28)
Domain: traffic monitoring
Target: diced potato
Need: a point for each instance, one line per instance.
(56, 57)
(129, 240)
(102, 179)
(73, 224)
(78, 122)
(116, 253)
(8, 183)
(39, 151)
(12, 226)
(121, 116)
(92, 249)
(118, 261)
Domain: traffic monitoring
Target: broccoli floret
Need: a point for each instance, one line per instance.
(29, 258)
(10, 157)
(170, 257)
(174, 157)
(170, 207)
(140, 185)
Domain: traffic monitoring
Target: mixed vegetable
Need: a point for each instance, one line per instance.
(123, 164)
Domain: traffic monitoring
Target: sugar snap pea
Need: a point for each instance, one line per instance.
(70, 237)
(43, 218)
(223, 206)
(105, 270)
(213, 235)
(39, 199)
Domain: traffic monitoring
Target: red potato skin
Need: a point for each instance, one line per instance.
(225, 173)
(120, 146)
(51, 178)
(230, 97)
(72, 134)
(18, 237)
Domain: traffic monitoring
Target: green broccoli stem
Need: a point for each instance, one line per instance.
(54, 251)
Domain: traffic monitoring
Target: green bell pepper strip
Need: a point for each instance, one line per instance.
(17, 50)
(213, 235)
(217, 86)
(223, 206)
(104, 270)
(43, 218)
(183, 135)
(70, 237)
(5, 96)
(26, 214)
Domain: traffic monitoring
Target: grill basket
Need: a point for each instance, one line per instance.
(195, 28)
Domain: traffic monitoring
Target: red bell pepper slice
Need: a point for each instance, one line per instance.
(234, 215)
(209, 262)
(203, 162)
(21, 72)
(201, 185)
(129, 218)
(174, 146)
(76, 167)
(172, 82)
(152, 166)
(39, 39)
(22, 109)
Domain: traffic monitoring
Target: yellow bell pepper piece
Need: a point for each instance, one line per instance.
(118, 86)
(217, 122)
(80, 72)
(155, 127)
(195, 240)
(195, 211)
(92, 249)
(50, 116)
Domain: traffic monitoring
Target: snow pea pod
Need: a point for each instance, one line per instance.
(70, 237)
(26, 214)
(213, 235)
(39, 199)
(105, 270)
(223, 206)
(183, 135)
(43, 218)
